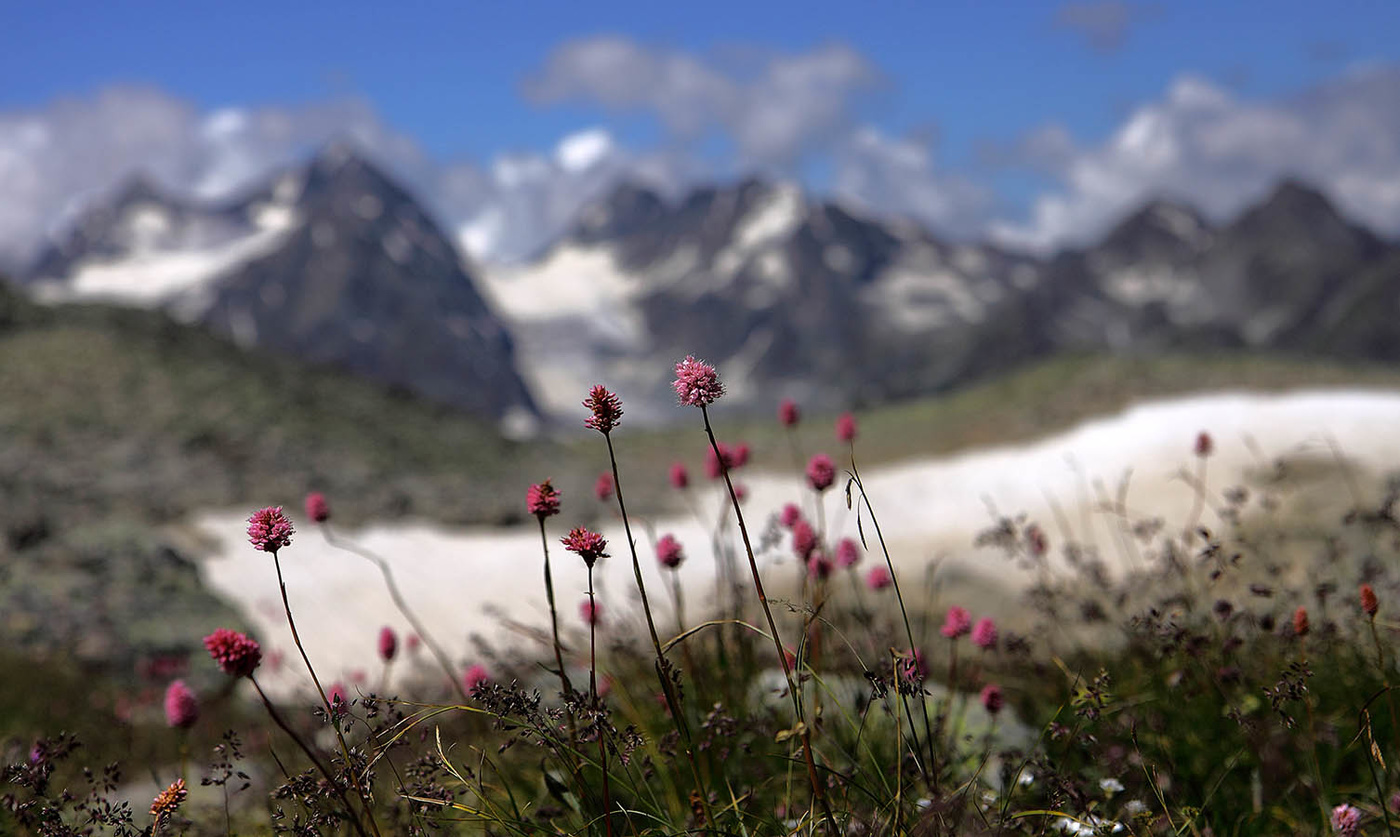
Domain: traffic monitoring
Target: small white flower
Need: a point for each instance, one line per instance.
(1110, 786)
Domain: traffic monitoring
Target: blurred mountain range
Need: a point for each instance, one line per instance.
(334, 263)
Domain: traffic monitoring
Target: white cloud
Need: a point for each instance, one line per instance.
(774, 108)
(1104, 24)
(1201, 144)
(899, 176)
(582, 150)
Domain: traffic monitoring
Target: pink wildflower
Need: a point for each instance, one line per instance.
(591, 612)
(388, 643)
(1369, 603)
(606, 408)
(992, 699)
(590, 546)
(878, 578)
(716, 465)
(1204, 444)
(846, 427)
(414, 642)
(269, 529)
(697, 384)
(1346, 820)
(821, 473)
(237, 654)
(788, 414)
(741, 455)
(790, 515)
(317, 508)
(819, 566)
(680, 477)
(957, 623)
(804, 540)
(741, 492)
(475, 676)
(668, 552)
(542, 500)
(181, 705)
(847, 553)
(603, 488)
(1300, 622)
(913, 667)
(336, 694)
(984, 634)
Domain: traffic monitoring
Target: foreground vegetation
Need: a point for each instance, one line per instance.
(1229, 676)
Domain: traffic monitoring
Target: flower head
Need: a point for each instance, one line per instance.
(590, 546)
(992, 698)
(1204, 444)
(168, 800)
(957, 623)
(847, 553)
(697, 384)
(606, 408)
(237, 654)
(475, 676)
(717, 464)
(846, 427)
(984, 634)
(821, 473)
(1300, 622)
(668, 552)
(913, 667)
(788, 414)
(741, 455)
(591, 612)
(878, 578)
(542, 500)
(337, 696)
(181, 705)
(317, 509)
(1346, 820)
(804, 540)
(819, 566)
(269, 529)
(1369, 603)
(603, 487)
(388, 643)
(680, 477)
(790, 515)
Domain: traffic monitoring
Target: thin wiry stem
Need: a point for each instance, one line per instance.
(593, 694)
(330, 710)
(554, 627)
(806, 734)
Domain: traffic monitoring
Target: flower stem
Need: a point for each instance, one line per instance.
(554, 626)
(593, 695)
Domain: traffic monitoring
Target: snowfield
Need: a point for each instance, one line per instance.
(487, 582)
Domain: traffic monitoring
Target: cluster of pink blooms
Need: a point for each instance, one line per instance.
(237, 654)
(388, 644)
(1205, 445)
(1370, 605)
(542, 500)
(337, 696)
(804, 540)
(728, 459)
(603, 488)
(846, 427)
(605, 408)
(1346, 820)
(879, 577)
(269, 529)
(847, 553)
(913, 667)
(317, 509)
(181, 705)
(697, 384)
(590, 546)
(821, 473)
(668, 552)
(788, 414)
(819, 566)
(790, 515)
(992, 698)
(591, 612)
(958, 623)
(475, 676)
(1301, 626)
(680, 477)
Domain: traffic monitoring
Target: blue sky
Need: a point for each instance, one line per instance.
(953, 78)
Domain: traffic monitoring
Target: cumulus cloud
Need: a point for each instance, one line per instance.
(774, 109)
(1103, 24)
(900, 176)
(1201, 144)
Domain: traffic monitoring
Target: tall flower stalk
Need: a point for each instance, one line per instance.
(542, 501)
(269, 530)
(698, 385)
(590, 546)
(606, 413)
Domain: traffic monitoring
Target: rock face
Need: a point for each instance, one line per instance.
(332, 263)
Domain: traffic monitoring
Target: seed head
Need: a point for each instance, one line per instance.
(388, 643)
(269, 529)
(317, 509)
(168, 801)
(668, 552)
(237, 654)
(181, 705)
(697, 384)
(542, 500)
(821, 473)
(590, 546)
(606, 408)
